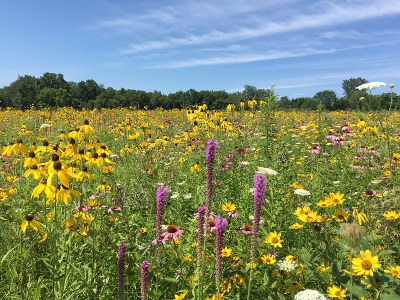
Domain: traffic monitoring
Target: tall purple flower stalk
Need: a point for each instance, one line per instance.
(161, 198)
(259, 188)
(145, 266)
(121, 271)
(220, 227)
(200, 233)
(212, 145)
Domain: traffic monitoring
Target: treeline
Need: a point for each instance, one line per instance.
(52, 90)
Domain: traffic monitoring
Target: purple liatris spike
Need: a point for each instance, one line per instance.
(145, 266)
(161, 198)
(220, 227)
(212, 145)
(200, 232)
(259, 187)
(121, 270)
(210, 154)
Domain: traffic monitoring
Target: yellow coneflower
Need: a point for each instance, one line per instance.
(31, 222)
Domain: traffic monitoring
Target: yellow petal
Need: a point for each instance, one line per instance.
(35, 225)
(64, 177)
(24, 225)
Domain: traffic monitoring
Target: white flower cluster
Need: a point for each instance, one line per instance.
(287, 265)
(266, 171)
(309, 295)
(370, 85)
(301, 192)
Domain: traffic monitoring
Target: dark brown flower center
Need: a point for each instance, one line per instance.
(172, 229)
(57, 165)
(366, 265)
(29, 217)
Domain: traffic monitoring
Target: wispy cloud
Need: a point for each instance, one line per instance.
(323, 14)
(240, 58)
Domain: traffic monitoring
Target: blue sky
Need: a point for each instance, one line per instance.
(300, 46)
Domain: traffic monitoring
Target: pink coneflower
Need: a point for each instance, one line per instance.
(338, 142)
(315, 149)
(233, 214)
(172, 232)
(114, 208)
(83, 208)
(248, 229)
(332, 137)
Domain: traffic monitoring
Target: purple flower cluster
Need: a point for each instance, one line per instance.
(212, 145)
(161, 198)
(145, 266)
(259, 188)
(210, 154)
(121, 270)
(221, 225)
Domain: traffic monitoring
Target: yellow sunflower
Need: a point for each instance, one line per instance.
(336, 292)
(365, 264)
(274, 239)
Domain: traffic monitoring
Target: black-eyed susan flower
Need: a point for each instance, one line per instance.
(3, 196)
(180, 296)
(226, 252)
(335, 198)
(336, 292)
(296, 226)
(237, 279)
(268, 259)
(394, 271)
(274, 239)
(365, 264)
(31, 222)
(341, 215)
(391, 215)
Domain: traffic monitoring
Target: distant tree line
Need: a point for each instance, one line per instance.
(52, 90)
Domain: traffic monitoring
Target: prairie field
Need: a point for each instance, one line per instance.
(244, 203)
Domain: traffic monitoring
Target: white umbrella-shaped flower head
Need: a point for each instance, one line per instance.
(370, 85)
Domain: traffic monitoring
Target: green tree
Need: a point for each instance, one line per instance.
(53, 97)
(327, 98)
(53, 80)
(350, 85)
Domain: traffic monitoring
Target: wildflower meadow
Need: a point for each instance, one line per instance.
(244, 203)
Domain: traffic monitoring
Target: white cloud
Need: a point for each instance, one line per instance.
(322, 14)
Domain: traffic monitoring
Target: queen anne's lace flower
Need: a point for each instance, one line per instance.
(309, 295)
(287, 265)
(370, 85)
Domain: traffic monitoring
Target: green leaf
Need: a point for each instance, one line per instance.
(355, 290)
(5, 255)
(389, 297)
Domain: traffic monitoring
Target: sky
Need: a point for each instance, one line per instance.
(300, 47)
